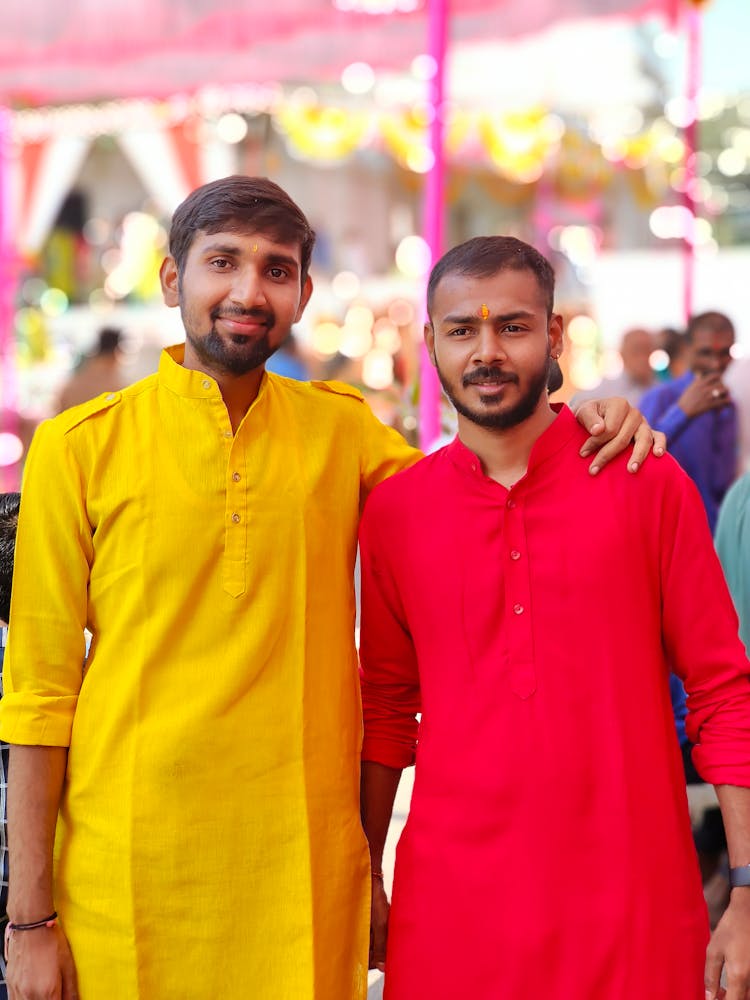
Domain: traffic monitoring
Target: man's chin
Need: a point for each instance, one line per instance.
(238, 357)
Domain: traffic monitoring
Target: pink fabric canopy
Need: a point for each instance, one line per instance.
(90, 49)
(87, 50)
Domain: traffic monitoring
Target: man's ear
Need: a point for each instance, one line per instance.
(170, 281)
(307, 289)
(429, 339)
(555, 335)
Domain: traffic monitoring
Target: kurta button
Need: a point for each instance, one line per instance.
(109, 397)
(510, 503)
(235, 477)
(206, 384)
(515, 554)
(227, 434)
(518, 609)
(236, 518)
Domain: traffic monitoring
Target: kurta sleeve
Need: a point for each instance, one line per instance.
(389, 676)
(43, 666)
(701, 638)
(384, 451)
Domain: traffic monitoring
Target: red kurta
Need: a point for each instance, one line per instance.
(548, 850)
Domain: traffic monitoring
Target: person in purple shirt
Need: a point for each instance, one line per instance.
(697, 414)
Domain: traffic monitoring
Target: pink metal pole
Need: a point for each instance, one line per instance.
(429, 395)
(692, 141)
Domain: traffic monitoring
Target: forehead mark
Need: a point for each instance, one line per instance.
(483, 312)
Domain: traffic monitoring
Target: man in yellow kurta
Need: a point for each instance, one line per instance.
(204, 762)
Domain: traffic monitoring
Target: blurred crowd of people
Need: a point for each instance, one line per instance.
(701, 401)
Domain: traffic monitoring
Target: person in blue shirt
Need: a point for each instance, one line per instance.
(288, 361)
(697, 414)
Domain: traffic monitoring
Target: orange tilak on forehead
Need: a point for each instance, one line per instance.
(483, 312)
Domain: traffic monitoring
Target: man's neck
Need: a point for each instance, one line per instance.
(239, 392)
(505, 453)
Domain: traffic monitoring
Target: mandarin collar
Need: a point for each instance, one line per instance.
(551, 441)
(189, 382)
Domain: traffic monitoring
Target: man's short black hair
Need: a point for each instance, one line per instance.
(715, 322)
(9, 506)
(484, 256)
(236, 203)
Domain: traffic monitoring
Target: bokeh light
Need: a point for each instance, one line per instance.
(413, 257)
(377, 369)
(11, 449)
(231, 128)
(345, 285)
(358, 78)
(326, 337)
(53, 302)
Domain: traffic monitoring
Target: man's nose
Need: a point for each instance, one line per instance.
(247, 288)
(488, 346)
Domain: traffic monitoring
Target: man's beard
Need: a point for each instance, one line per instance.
(218, 354)
(501, 419)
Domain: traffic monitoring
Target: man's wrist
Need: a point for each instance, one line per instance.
(739, 877)
(25, 912)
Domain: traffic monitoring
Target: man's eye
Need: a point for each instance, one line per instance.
(220, 263)
(461, 331)
(512, 328)
(277, 272)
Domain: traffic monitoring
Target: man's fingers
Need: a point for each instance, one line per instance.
(645, 441)
(738, 980)
(618, 443)
(377, 945)
(712, 974)
(378, 927)
(602, 419)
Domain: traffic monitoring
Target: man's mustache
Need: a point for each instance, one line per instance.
(491, 375)
(257, 315)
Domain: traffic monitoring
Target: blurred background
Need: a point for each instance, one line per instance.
(615, 136)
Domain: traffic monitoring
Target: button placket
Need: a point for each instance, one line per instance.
(235, 546)
(518, 602)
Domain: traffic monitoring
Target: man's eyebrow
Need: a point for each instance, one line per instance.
(228, 249)
(235, 250)
(501, 318)
(282, 258)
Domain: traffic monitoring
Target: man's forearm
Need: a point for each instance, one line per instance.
(735, 811)
(35, 781)
(378, 791)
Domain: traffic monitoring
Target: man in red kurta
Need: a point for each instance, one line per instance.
(530, 616)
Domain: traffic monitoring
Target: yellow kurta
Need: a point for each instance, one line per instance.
(209, 842)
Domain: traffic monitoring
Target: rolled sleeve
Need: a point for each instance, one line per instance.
(43, 668)
(37, 719)
(702, 642)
